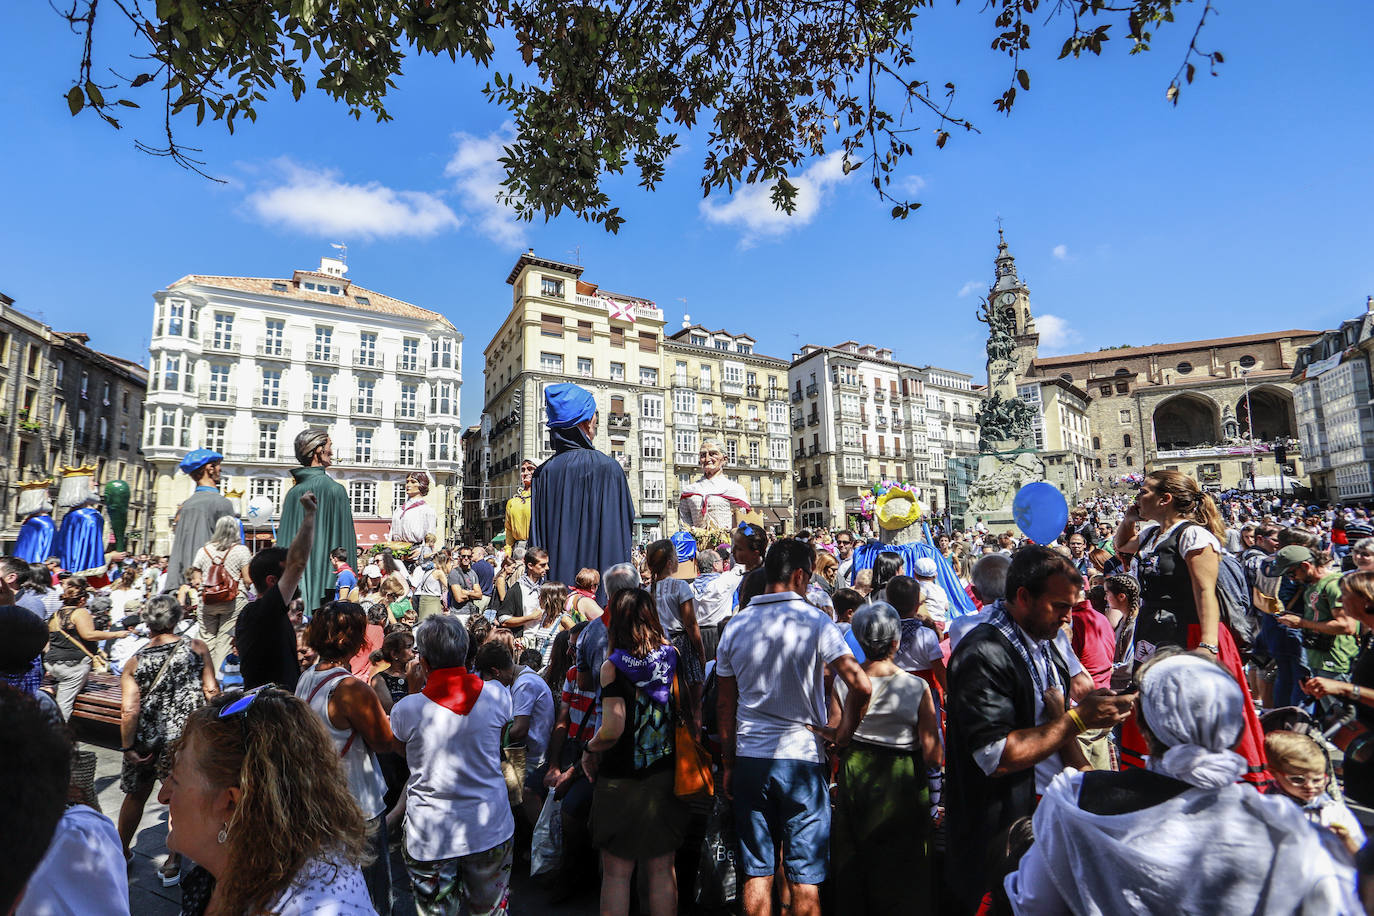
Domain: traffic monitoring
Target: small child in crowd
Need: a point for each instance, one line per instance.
(1299, 767)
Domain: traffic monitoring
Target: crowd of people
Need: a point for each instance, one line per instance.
(1170, 709)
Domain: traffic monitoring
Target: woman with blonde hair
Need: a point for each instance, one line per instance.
(259, 800)
(553, 598)
(1173, 532)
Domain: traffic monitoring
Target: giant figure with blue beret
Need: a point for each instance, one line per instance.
(195, 520)
(581, 510)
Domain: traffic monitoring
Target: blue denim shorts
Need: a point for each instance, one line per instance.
(782, 803)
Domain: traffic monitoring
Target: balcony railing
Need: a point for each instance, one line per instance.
(777, 394)
(879, 394)
(685, 458)
(705, 384)
(710, 419)
(221, 344)
(779, 464)
(812, 390)
(365, 408)
(321, 404)
(815, 480)
(796, 395)
(408, 413)
(814, 450)
(367, 359)
(684, 381)
(410, 364)
(327, 357)
(732, 422)
(813, 420)
(751, 390)
(799, 453)
(271, 402)
(274, 349)
(626, 462)
(618, 423)
(881, 421)
(735, 388)
(798, 423)
(684, 419)
(755, 424)
(218, 394)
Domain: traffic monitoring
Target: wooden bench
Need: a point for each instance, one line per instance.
(99, 701)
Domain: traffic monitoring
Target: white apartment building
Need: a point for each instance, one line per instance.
(951, 426)
(853, 409)
(243, 364)
(1335, 419)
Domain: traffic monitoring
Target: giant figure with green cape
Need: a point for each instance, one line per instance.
(333, 518)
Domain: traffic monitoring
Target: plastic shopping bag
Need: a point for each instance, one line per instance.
(546, 846)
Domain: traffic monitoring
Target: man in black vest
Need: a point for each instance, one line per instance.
(1009, 733)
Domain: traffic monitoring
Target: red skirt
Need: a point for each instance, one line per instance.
(1251, 746)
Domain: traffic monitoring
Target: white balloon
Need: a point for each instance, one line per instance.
(259, 512)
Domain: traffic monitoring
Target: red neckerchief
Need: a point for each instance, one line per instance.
(453, 688)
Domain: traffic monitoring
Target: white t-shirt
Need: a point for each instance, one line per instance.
(530, 696)
(777, 650)
(323, 887)
(919, 648)
(935, 601)
(82, 871)
(711, 502)
(893, 709)
(1195, 538)
(669, 596)
(716, 598)
(456, 802)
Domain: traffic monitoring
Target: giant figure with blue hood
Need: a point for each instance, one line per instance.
(195, 520)
(581, 511)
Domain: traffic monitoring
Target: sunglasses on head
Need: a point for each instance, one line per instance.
(241, 705)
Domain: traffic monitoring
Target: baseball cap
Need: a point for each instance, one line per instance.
(1289, 557)
(924, 567)
(372, 571)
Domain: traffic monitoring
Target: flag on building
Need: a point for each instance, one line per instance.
(623, 311)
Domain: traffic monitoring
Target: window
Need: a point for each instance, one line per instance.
(271, 388)
(176, 317)
(652, 446)
(684, 401)
(648, 342)
(1097, 442)
(406, 452)
(731, 451)
(584, 367)
(171, 374)
(651, 407)
(653, 489)
(324, 342)
(732, 374)
(722, 344)
(441, 353)
(398, 494)
(59, 367)
(745, 349)
(218, 391)
(551, 362)
(617, 372)
(5, 346)
(367, 391)
(188, 379)
(85, 383)
(267, 439)
(754, 412)
(104, 435)
(1125, 417)
(1247, 362)
(617, 405)
(441, 399)
(410, 355)
(362, 495)
(274, 337)
(1126, 440)
(224, 330)
(584, 331)
(1105, 390)
(648, 375)
(35, 360)
(280, 286)
(706, 376)
(777, 449)
(698, 340)
(408, 407)
(440, 443)
(319, 392)
(215, 434)
(551, 287)
(266, 486)
(367, 348)
(753, 451)
(124, 402)
(685, 445)
(551, 325)
(1184, 368)
(617, 337)
(124, 435)
(362, 446)
(1123, 387)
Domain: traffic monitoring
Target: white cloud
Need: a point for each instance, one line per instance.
(1056, 336)
(1060, 252)
(971, 287)
(751, 207)
(912, 184)
(477, 175)
(316, 201)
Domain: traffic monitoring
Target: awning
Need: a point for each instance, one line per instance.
(500, 538)
(648, 520)
(371, 532)
(783, 513)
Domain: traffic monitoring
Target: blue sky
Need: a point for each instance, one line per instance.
(1244, 209)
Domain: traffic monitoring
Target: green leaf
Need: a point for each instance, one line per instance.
(93, 93)
(75, 100)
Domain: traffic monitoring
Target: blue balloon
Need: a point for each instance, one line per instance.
(1041, 512)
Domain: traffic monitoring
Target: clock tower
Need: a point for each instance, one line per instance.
(1009, 301)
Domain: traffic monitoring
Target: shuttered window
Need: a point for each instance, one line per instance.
(551, 325)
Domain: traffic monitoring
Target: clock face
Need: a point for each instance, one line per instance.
(1008, 298)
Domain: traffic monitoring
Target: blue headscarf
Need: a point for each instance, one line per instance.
(568, 405)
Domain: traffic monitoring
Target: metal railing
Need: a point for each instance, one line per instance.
(273, 349)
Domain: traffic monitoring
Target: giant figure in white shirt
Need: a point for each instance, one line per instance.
(415, 518)
(713, 501)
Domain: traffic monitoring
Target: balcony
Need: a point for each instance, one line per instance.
(734, 388)
(863, 417)
(858, 480)
(626, 462)
(324, 356)
(777, 429)
(896, 422)
(222, 343)
(799, 453)
(846, 381)
(367, 360)
(651, 507)
(651, 461)
(409, 364)
(618, 423)
(684, 420)
(754, 424)
(863, 390)
(218, 395)
(710, 419)
(813, 420)
(321, 404)
(732, 423)
(408, 413)
(366, 407)
(777, 394)
(686, 459)
(815, 480)
(796, 396)
(274, 349)
(779, 464)
(879, 395)
(684, 381)
(705, 384)
(269, 402)
(881, 421)
(259, 454)
(650, 424)
(798, 423)
(812, 390)
(751, 390)
(813, 450)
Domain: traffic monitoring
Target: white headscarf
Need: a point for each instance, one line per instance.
(1196, 710)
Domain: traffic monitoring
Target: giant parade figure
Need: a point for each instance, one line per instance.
(581, 511)
(196, 517)
(35, 541)
(81, 538)
(333, 518)
(714, 500)
(416, 518)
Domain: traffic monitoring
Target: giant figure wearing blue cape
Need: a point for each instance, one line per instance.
(581, 511)
(959, 601)
(34, 544)
(81, 539)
